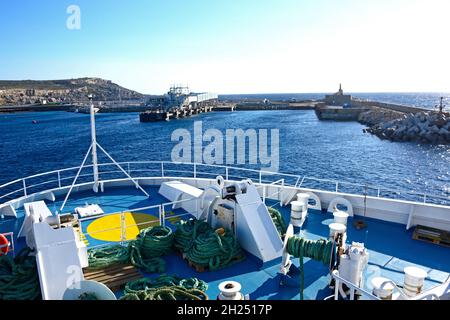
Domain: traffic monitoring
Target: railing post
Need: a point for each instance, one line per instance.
(163, 216)
(336, 289)
(59, 179)
(195, 171)
(24, 187)
(160, 214)
(260, 176)
(424, 198)
(123, 230)
(226, 173)
(162, 169)
(379, 192)
(337, 186)
(128, 167)
(301, 183)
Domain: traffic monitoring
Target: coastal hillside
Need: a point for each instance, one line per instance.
(62, 91)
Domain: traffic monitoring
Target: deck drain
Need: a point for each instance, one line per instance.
(360, 224)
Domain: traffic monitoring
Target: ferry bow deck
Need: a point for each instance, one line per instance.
(390, 246)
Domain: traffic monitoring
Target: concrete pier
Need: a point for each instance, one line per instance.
(339, 113)
(159, 115)
(226, 107)
(35, 108)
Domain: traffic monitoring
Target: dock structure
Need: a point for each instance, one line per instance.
(179, 102)
(344, 107)
(226, 107)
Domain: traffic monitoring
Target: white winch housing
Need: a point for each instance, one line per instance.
(234, 206)
(353, 263)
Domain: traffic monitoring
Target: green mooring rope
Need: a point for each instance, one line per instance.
(145, 252)
(19, 277)
(166, 288)
(278, 220)
(167, 293)
(165, 281)
(320, 250)
(151, 244)
(206, 247)
(106, 256)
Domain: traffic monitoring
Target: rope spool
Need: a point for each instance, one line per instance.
(319, 250)
(206, 247)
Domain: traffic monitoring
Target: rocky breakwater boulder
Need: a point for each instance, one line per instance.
(425, 127)
(377, 115)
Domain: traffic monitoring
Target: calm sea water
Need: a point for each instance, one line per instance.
(424, 100)
(309, 147)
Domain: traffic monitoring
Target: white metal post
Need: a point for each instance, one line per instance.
(94, 146)
(59, 179)
(163, 213)
(24, 187)
(123, 228)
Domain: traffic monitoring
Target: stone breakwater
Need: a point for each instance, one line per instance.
(425, 127)
(378, 115)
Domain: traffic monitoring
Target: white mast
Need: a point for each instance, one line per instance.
(93, 149)
(94, 145)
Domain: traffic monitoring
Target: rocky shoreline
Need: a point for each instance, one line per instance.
(425, 127)
(28, 92)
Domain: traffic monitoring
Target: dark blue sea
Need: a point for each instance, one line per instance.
(329, 150)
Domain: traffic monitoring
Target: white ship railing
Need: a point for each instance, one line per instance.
(151, 169)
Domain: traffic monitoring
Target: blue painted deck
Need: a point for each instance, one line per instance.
(390, 246)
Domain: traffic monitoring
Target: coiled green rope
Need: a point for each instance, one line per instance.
(166, 288)
(151, 244)
(278, 220)
(167, 293)
(145, 252)
(206, 247)
(320, 250)
(106, 256)
(165, 281)
(19, 277)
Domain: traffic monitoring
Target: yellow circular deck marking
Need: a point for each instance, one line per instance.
(109, 228)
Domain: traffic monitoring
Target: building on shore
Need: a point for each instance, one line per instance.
(339, 98)
(339, 107)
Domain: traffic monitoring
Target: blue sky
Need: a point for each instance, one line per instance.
(232, 46)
